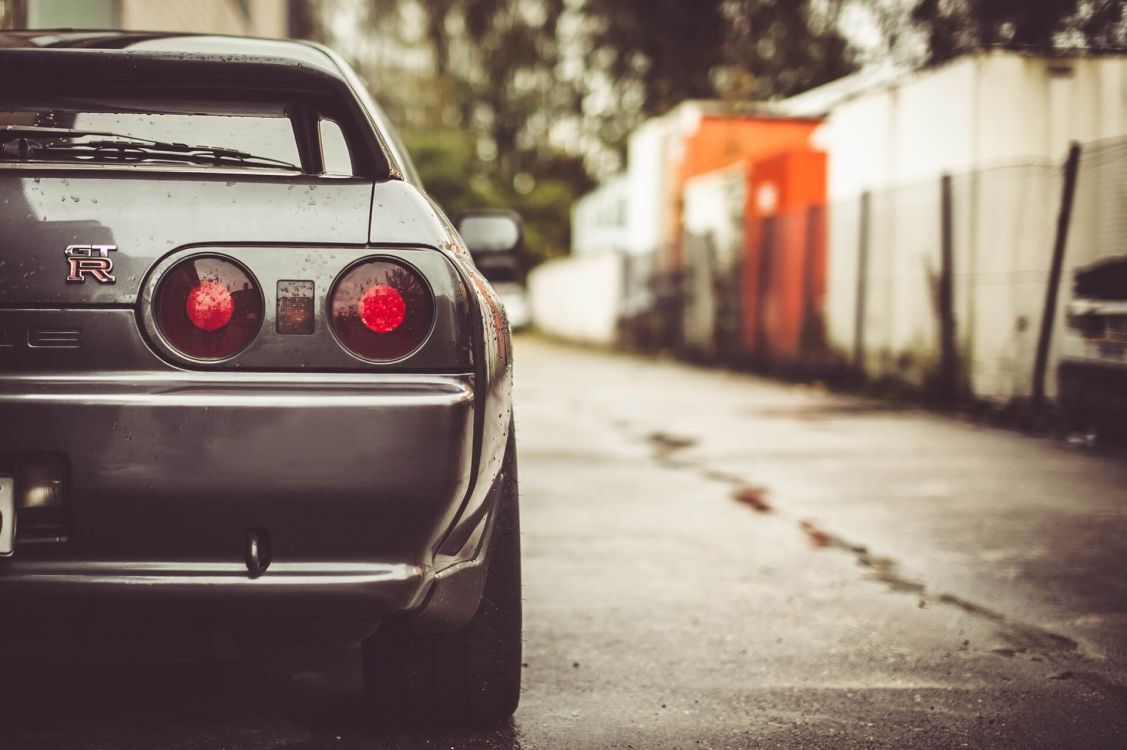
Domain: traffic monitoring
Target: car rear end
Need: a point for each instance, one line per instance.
(224, 388)
(1092, 378)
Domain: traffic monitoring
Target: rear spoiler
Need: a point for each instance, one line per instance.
(50, 73)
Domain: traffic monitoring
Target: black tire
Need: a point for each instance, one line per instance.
(469, 677)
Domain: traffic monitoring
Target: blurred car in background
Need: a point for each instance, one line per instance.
(505, 274)
(494, 239)
(1093, 369)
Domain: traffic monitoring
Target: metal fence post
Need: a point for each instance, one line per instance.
(810, 331)
(945, 297)
(862, 283)
(1048, 315)
(767, 232)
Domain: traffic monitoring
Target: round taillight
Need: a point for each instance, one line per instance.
(208, 307)
(381, 310)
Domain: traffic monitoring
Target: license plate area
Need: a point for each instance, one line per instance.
(7, 515)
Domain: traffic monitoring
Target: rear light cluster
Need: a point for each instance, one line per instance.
(209, 307)
(380, 310)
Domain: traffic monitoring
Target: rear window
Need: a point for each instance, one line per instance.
(86, 131)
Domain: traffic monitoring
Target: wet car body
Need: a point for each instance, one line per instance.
(297, 477)
(505, 274)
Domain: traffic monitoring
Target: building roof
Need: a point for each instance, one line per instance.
(820, 100)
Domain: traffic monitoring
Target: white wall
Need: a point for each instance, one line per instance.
(599, 219)
(578, 298)
(645, 177)
(714, 204)
(262, 17)
(1000, 123)
(713, 219)
(74, 14)
(581, 297)
(653, 157)
(990, 109)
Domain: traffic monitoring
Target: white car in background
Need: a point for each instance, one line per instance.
(1093, 369)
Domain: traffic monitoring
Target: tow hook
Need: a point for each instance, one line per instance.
(258, 554)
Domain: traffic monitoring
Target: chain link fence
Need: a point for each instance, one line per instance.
(940, 285)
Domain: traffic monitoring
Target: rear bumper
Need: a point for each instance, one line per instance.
(287, 589)
(1093, 393)
(356, 479)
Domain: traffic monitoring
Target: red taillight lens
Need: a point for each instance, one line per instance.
(381, 310)
(208, 307)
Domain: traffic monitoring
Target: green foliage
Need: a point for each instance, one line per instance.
(519, 101)
(781, 49)
(677, 50)
(501, 62)
(669, 47)
(657, 53)
(458, 180)
(451, 171)
(955, 27)
(546, 211)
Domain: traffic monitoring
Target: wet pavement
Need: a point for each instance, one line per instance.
(717, 561)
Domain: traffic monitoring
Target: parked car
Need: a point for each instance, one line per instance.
(256, 382)
(507, 279)
(1093, 369)
(495, 239)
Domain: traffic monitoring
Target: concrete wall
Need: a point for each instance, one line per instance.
(714, 205)
(641, 212)
(259, 18)
(654, 153)
(985, 110)
(645, 179)
(578, 298)
(268, 18)
(569, 297)
(77, 14)
(599, 219)
(1000, 123)
(713, 248)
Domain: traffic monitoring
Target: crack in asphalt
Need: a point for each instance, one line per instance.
(887, 571)
(1025, 638)
(665, 445)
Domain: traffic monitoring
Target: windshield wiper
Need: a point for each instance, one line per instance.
(26, 143)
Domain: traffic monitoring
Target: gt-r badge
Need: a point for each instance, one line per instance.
(90, 259)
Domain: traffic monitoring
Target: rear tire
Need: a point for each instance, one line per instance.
(471, 676)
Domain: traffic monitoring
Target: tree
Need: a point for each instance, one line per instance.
(677, 50)
(670, 48)
(784, 48)
(955, 27)
(655, 54)
(304, 20)
(518, 102)
(499, 57)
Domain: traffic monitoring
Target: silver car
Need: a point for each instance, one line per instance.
(250, 378)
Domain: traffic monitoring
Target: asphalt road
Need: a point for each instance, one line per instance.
(717, 561)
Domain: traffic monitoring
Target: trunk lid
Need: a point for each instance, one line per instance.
(148, 214)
